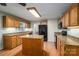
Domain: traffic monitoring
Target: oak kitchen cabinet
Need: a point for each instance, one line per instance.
(9, 42)
(32, 45)
(71, 16)
(64, 48)
(10, 21)
(74, 15)
(60, 46)
(66, 19)
(16, 23)
(19, 40)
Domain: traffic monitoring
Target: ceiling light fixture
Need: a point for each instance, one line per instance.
(34, 11)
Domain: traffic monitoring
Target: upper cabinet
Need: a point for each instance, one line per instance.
(71, 16)
(27, 24)
(16, 23)
(10, 21)
(66, 19)
(74, 15)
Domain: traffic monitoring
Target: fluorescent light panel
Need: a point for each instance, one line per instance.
(34, 12)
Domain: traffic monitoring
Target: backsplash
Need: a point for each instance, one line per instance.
(74, 32)
(14, 30)
(9, 30)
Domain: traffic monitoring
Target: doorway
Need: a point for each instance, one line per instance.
(43, 31)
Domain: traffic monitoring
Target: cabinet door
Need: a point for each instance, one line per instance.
(37, 47)
(19, 40)
(62, 48)
(16, 23)
(58, 45)
(13, 41)
(8, 21)
(66, 19)
(27, 46)
(73, 16)
(7, 42)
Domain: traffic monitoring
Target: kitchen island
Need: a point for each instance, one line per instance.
(32, 45)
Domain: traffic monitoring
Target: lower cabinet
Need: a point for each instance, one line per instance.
(71, 50)
(19, 40)
(60, 46)
(66, 49)
(11, 41)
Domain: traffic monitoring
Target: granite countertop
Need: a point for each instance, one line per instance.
(68, 40)
(15, 34)
(33, 36)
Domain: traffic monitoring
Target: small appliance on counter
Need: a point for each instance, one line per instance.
(64, 31)
(59, 25)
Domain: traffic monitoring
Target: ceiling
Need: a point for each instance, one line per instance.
(47, 10)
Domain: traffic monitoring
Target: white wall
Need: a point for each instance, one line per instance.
(52, 27)
(1, 30)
